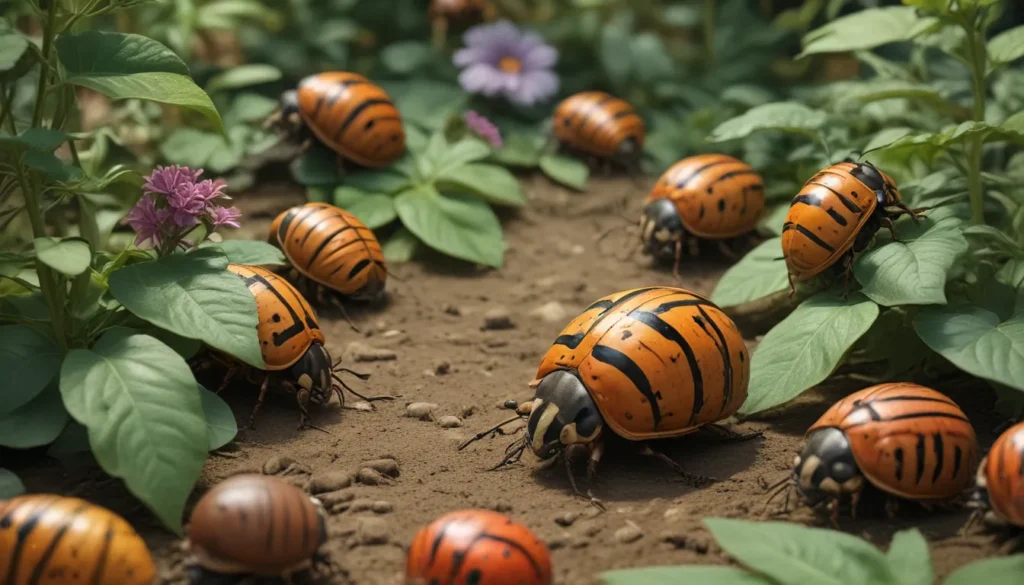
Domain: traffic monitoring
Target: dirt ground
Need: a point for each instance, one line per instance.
(433, 347)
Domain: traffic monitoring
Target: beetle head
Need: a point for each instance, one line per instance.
(563, 414)
(826, 469)
(660, 228)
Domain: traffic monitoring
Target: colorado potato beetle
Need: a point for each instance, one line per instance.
(477, 547)
(348, 114)
(647, 363)
(256, 524)
(601, 125)
(908, 441)
(330, 248)
(292, 345)
(705, 197)
(53, 539)
(999, 495)
(836, 215)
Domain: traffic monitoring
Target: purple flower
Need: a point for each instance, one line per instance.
(147, 221)
(166, 179)
(187, 197)
(225, 216)
(483, 128)
(499, 59)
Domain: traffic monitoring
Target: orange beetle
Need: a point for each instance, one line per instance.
(256, 524)
(1000, 480)
(348, 114)
(601, 125)
(477, 547)
(648, 363)
(705, 197)
(906, 440)
(292, 345)
(836, 215)
(331, 247)
(48, 539)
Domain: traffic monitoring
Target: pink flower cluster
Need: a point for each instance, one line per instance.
(483, 128)
(175, 200)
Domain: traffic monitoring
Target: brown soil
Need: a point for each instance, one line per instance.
(433, 322)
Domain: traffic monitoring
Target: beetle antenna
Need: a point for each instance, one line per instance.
(513, 454)
(353, 392)
(336, 369)
(776, 490)
(483, 434)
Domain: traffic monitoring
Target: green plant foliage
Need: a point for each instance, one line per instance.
(909, 559)
(144, 414)
(806, 347)
(250, 252)
(866, 29)
(374, 209)
(10, 485)
(29, 361)
(459, 226)
(696, 575)
(243, 76)
(400, 247)
(220, 421)
(36, 423)
(977, 341)
(193, 295)
(70, 256)
(787, 116)
(759, 274)
(565, 170)
(1005, 571)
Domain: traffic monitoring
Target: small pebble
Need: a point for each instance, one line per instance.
(363, 406)
(372, 530)
(567, 519)
(629, 533)
(277, 464)
(331, 499)
(498, 319)
(557, 542)
(421, 410)
(443, 367)
(452, 310)
(391, 333)
(382, 507)
(361, 505)
(360, 352)
(578, 541)
(369, 476)
(552, 312)
(591, 527)
(450, 422)
(329, 481)
(387, 466)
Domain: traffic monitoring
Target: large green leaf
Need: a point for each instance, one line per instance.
(15, 54)
(1007, 46)
(194, 296)
(405, 56)
(683, 575)
(791, 554)
(565, 170)
(616, 54)
(28, 360)
(1004, 571)
(318, 166)
(866, 29)
(385, 181)
(492, 183)
(144, 414)
(975, 341)
(401, 246)
(220, 421)
(10, 485)
(760, 273)
(252, 252)
(460, 226)
(35, 424)
(909, 558)
(785, 116)
(243, 76)
(374, 209)
(70, 256)
(806, 347)
(913, 270)
(122, 66)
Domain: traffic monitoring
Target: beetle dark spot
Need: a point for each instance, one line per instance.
(592, 377)
(658, 395)
(369, 125)
(276, 318)
(507, 553)
(473, 577)
(701, 210)
(743, 357)
(627, 334)
(711, 189)
(394, 138)
(435, 581)
(721, 205)
(629, 416)
(264, 342)
(565, 122)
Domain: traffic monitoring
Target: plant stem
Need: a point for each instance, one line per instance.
(48, 33)
(976, 53)
(7, 107)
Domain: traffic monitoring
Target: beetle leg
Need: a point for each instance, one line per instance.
(833, 508)
(259, 402)
(887, 222)
(334, 300)
(678, 259)
(792, 286)
(694, 479)
(230, 375)
(589, 496)
(854, 500)
(731, 435)
(891, 506)
(302, 397)
(596, 452)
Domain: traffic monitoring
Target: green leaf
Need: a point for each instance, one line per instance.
(73, 440)
(427, 103)
(35, 424)
(565, 170)
(194, 148)
(463, 152)
(786, 116)
(1007, 46)
(909, 559)
(913, 270)
(252, 252)
(616, 54)
(866, 29)
(42, 139)
(15, 56)
(220, 421)
(318, 166)
(243, 76)
(400, 247)
(1004, 571)
(405, 56)
(373, 209)
(975, 341)
(144, 414)
(492, 183)
(194, 296)
(122, 66)
(806, 347)
(29, 360)
(795, 555)
(387, 182)
(518, 150)
(681, 575)
(457, 225)
(650, 58)
(759, 274)
(10, 485)
(886, 136)
(70, 256)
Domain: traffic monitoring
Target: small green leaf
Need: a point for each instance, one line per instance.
(318, 166)
(193, 147)
(791, 554)
(1007, 46)
(651, 61)
(887, 136)
(786, 116)
(427, 103)
(681, 575)
(243, 76)
(29, 360)
(10, 485)
(806, 347)
(70, 256)
(387, 182)
(405, 56)
(866, 29)
(913, 270)
(220, 421)
(518, 150)
(759, 274)
(909, 558)
(373, 209)
(616, 54)
(465, 151)
(145, 417)
(15, 56)
(194, 296)
(492, 183)
(122, 66)
(1004, 571)
(252, 252)
(565, 170)
(460, 226)
(42, 139)
(400, 247)
(975, 341)
(35, 424)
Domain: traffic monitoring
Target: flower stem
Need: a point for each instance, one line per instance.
(48, 33)
(977, 55)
